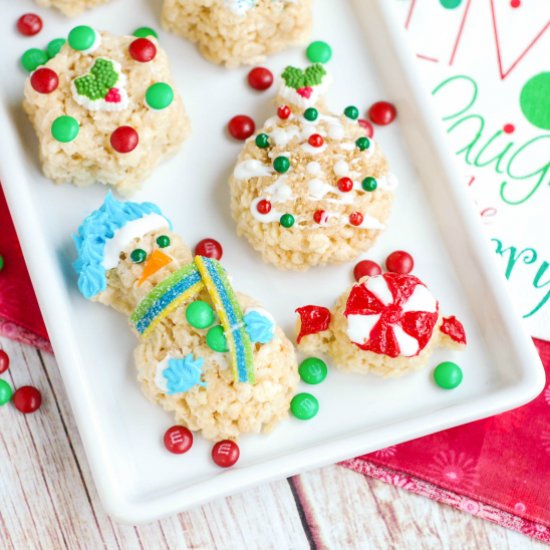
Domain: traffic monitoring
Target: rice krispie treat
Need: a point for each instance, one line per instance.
(71, 7)
(385, 324)
(214, 358)
(235, 32)
(105, 109)
(310, 188)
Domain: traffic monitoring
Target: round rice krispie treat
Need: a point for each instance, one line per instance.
(310, 188)
(213, 357)
(71, 7)
(105, 109)
(385, 324)
(235, 32)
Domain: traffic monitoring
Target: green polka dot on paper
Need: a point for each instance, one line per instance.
(534, 100)
(65, 128)
(450, 4)
(159, 96)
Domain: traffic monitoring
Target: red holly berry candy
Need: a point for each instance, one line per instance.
(225, 453)
(241, 127)
(209, 248)
(4, 361)
(27, 399)
(142, 50)
(356, 218)
(260, 78)
(400, 262)
(366, 268)
(316, 140)
(284, 112)
(44, 80)
(369, 130)
(29, 24)
(124, 139)
(178, 440)
(382, 113)
(318, 215)
(263, 207)
(345, 184)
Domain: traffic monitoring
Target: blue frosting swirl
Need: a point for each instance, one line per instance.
(183, 374)
(260, 328)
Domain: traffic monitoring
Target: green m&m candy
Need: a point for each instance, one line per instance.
(363, 143)
(65, 128)
(54, 46)
(82, 38)
(262, 141)
(281, 164)
(287, 220)
(33, 58)
(199, 314)
(448, 375)
(304, 406)
(144, 32)
(216, 340)
(369, 184)
(5, 392)
(313, 370)
(319, 52)
(159, 96)
(352, 112)
(311, 114)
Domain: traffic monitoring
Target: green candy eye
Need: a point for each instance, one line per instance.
(138, 255)
(163, 241)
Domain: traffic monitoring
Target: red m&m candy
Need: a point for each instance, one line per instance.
(382, 113)
(260, 78)
(263, 206)
(178, 440)
(209, 248)
(44, 80)
(366, 268)
(241, 127)
(284, 112)
(27, 399)
(316, 140)
(29, 24)
(356, 218)
(225, 453)
(124, 139)
(345, 184)
(4, 361)
(400, 262)
(142, 50)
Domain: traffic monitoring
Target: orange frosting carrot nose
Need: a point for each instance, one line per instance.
(156, 260)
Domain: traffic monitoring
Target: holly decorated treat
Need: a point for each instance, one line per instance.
(105, 109)
(310, 188)
(388, 324)
(208, 354)
(71, 7)
(237, 32)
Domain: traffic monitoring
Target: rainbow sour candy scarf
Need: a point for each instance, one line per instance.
(187, 282)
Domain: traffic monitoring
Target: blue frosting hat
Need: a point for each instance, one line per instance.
(94, 232)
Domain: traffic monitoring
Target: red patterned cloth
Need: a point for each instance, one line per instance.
(494, 468)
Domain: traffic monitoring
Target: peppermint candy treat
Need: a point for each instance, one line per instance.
(211, 356)
(105, 109)
(385, 324)
(310, 188)
(236, 32)
(71, 7)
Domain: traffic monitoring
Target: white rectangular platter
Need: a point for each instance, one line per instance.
(122, 432)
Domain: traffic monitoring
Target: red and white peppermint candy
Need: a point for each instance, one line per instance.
(392, 314)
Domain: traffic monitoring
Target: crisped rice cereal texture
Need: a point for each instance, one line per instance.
(71, 7)
(90, 157)
(233, 39)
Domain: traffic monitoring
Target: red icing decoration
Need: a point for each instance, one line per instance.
(369, 129)
(241, 127)
(113, 96)
(225, 453)
(260, 78)
(4, 361)
(314, 319)
(209, 248)
(400, 262)
(142, 50)
(316, 140)
(305, 92)
(27, 399)
(284, 112)
(356, 218)
(345, 184)
(382, 113)
(418, 324)
(366, 268)
(44, 80)
(515, 3)
(29, 24)
(178, 439)
(453, 328)
(124, 139)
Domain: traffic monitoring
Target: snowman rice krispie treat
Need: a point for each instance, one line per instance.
(310, 188)
(71, 7)
(210, 355)
(387, 324)
(235, 32)
(105, 109)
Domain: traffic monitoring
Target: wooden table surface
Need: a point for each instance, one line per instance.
(48, 500)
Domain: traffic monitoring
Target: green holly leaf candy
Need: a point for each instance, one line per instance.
(97, 83)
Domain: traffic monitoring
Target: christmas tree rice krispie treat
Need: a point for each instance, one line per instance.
(387, 324)
(210, 355)
(310, 188)
(105, 109)
(71, 7)
(235, 32)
